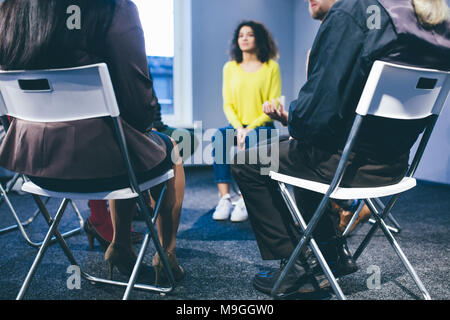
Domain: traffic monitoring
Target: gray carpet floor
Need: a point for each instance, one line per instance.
(220, 258)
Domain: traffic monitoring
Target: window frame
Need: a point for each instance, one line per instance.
(182, 67)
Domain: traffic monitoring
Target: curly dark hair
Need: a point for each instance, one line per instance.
(266, 46)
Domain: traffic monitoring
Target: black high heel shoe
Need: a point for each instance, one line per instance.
(177, 270)
(124, 259)
(120, 257)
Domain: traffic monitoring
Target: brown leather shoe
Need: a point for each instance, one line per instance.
(346, 216)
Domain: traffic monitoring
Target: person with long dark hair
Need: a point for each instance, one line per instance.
(410, 32)
(36, 34)
(249, 79)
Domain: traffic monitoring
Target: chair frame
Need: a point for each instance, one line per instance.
(395, 229)
(20, 225)
(381, 213)
(134, 191)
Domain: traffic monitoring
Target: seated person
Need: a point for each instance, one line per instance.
(99, 225)
(251, 77)
(345, 264)
(83, 155)
(412, 32)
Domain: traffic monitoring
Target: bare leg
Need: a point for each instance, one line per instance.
(169, 219)
(122, 213)
(170, 210)
(120, 252)
(224, 188)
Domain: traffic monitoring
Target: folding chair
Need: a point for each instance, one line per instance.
(392, 91)
(4, 191)
(77, 94)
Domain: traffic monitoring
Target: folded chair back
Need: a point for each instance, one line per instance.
(391, 91)
(47, 96)
(399, 92)
(58, 95)
(403, 92)
(80, 93)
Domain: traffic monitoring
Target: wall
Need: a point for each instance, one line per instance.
(213, 24)
(304, 34)
(435, 164)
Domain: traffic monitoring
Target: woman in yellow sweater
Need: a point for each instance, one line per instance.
(249, 79)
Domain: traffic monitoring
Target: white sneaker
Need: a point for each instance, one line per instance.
(223, 208)
(240, 212)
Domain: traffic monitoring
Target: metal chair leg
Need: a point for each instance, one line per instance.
(7, 188)
(150, 221)
(42, 249)
(396, 228)
(154, 234)
(355, 216)
(312, 244)
(131, 284)
(400, 253)
(353, 219)
(59, 237)
(13, 211)
(10, 184)
(53, 233)
(371, 233)
(394, 222)
(21, 225)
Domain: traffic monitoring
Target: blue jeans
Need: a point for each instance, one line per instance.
(224, 139)
(5, 173)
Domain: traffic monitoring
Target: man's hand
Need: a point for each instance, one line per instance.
(270, 108)
(241, 134)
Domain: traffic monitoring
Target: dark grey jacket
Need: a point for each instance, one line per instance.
(86, 149)
(340, 61)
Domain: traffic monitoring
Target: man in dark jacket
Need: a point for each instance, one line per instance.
(352, 36)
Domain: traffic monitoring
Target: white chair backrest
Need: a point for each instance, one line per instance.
(402, 92)
(58, 95)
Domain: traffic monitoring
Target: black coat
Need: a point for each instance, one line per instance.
(87, 149)
(340, 62)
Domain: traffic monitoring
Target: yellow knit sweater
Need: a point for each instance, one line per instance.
(245, 92)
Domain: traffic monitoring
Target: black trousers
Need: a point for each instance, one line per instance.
(273, 226)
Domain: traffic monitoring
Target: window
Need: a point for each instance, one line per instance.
(166, 23)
